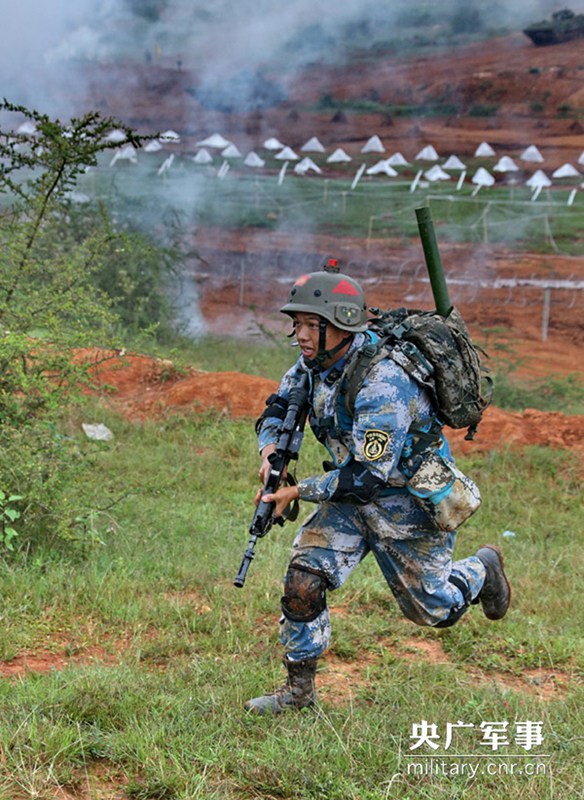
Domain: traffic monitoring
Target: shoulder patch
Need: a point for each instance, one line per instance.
(375, 444)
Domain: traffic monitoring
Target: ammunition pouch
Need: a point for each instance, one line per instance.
(447, 495)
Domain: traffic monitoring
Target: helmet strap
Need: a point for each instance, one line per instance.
(323, 354)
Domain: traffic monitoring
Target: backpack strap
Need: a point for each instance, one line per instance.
(404, 353)
(356, 371)
(415, 363)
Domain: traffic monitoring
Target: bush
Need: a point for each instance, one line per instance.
(39, 463)
(133, 273)
(59, 267)
(479, 110)
(565, 110)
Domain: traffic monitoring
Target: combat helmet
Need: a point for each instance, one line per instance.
(334, 298)
(337, 298)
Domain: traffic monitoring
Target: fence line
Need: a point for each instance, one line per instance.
(283, 267)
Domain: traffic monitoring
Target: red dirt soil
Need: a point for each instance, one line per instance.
(525, 86)
(508, 75)
(142, 387)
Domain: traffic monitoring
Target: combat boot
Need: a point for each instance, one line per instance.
(495, 595)
(297, 692)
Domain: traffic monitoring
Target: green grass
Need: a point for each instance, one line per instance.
(225, 354)
(565, 393)
(319, 205)
(164, 650)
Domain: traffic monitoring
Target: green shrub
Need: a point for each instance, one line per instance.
(479, 110)
(58, 266)
(40, 466)
(565, 110)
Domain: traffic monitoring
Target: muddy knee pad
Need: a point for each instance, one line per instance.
(304, 594)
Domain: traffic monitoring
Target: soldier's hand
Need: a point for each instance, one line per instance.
(282, 498)
(265, 467)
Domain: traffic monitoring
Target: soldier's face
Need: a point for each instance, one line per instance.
(306, 330)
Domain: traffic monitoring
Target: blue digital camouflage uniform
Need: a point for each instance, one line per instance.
(414, 556)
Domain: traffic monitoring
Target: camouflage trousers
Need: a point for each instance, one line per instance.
(413, 555)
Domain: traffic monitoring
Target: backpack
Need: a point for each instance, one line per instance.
(435, 351)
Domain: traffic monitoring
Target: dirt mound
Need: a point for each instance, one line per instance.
(501, 428)
(142, 387)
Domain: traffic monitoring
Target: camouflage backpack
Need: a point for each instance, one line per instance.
(435, 351)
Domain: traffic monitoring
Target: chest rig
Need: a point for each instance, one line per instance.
(329, 419)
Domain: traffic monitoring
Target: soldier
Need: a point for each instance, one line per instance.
(362, 501)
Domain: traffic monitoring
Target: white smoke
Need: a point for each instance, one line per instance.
(42, 45)
(52, 55)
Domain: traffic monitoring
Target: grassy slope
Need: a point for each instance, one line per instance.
(163, 650)
(382, 206)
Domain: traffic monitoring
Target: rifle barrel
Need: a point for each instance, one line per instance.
(248, 557)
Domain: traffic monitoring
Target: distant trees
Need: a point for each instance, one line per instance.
(466, 19)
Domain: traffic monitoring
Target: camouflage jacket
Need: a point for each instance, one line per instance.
(389, 405)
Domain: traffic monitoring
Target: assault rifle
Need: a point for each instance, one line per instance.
(290, 437)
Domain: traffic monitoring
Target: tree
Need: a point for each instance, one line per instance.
(466, 19)
(50, 303)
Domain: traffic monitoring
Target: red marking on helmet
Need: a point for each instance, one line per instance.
(302, 280)
(333, 262)
(344, 287)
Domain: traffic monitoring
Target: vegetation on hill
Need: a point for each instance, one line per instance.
(71, 278)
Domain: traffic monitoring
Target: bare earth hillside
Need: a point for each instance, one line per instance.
(531, 95)
(535, 96)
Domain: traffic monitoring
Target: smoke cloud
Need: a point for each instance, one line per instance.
(229, 52)
(42, 46)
